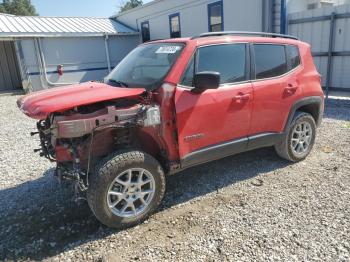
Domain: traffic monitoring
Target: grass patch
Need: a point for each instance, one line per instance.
(347, 125)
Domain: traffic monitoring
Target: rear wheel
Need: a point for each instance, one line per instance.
(299, 139)
(126, 188)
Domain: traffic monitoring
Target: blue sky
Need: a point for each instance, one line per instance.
(97, 8)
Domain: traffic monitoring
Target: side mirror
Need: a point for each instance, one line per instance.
(205, 80)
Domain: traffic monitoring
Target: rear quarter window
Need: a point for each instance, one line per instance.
(293, 56)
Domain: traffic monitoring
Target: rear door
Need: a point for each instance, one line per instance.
(217, 116)
(276, 86)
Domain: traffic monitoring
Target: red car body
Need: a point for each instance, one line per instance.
(248, 114)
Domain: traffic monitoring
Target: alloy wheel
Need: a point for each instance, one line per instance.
(301, 138)
(131, 192)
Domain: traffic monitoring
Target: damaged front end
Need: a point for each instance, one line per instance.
(78, 138)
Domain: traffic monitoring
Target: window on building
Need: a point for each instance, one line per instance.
(174, 23)
(326, 4)
(228, 60)
(215, 17)
(293, 56)
(312, 6)
(145, 31)
(270, 60)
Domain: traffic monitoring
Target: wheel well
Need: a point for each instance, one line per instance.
(310, 105)
(313, 109)
(147, 143)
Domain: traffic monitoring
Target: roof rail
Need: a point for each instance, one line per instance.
(263, 34)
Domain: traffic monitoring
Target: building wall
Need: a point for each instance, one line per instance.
(294, 6)
(245, 15)
(317, 33)
(83, 59)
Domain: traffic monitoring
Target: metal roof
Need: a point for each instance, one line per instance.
(37, 26)
(153, 2)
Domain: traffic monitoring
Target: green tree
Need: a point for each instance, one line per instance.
(2, 9)
(18, 7)
(129, 5)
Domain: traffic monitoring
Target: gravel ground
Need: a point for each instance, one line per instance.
(253, 206)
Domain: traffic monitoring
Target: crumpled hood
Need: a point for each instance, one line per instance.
(40, 104)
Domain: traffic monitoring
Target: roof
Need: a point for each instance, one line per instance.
(38, 26)
(138, 7)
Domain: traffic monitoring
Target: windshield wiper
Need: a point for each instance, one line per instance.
(119, 83)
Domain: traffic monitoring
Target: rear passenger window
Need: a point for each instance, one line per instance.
(270, 60)
(293, 56)
(229, 60)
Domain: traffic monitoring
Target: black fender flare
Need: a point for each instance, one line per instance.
(311, 100)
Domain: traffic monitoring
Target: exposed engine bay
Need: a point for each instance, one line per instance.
(79, 137)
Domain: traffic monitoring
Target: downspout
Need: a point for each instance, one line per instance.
(107, 54)
(138, 30)
(263, 17)
(43, 67)
(283, 16)
(330, 53)
(271, 16)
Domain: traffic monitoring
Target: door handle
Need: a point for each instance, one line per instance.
(242, 97)
(291, 89)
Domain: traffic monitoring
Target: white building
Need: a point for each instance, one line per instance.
(182, 18)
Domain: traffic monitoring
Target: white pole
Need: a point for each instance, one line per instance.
(107, 54)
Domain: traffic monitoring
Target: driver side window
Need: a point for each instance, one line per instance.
(228, 59)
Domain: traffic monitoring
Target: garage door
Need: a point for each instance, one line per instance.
(9, 72)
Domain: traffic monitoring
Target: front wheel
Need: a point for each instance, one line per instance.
(126, 188)
(299, 139)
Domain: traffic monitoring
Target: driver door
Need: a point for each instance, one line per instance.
(214, 123)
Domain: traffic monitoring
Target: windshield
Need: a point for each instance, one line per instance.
(146, 66)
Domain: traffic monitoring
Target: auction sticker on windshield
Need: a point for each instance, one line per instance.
(168, 49)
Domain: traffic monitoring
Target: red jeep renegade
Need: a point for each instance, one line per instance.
(173, 104)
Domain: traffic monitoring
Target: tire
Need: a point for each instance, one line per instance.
(111, 176)
(287, 148)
